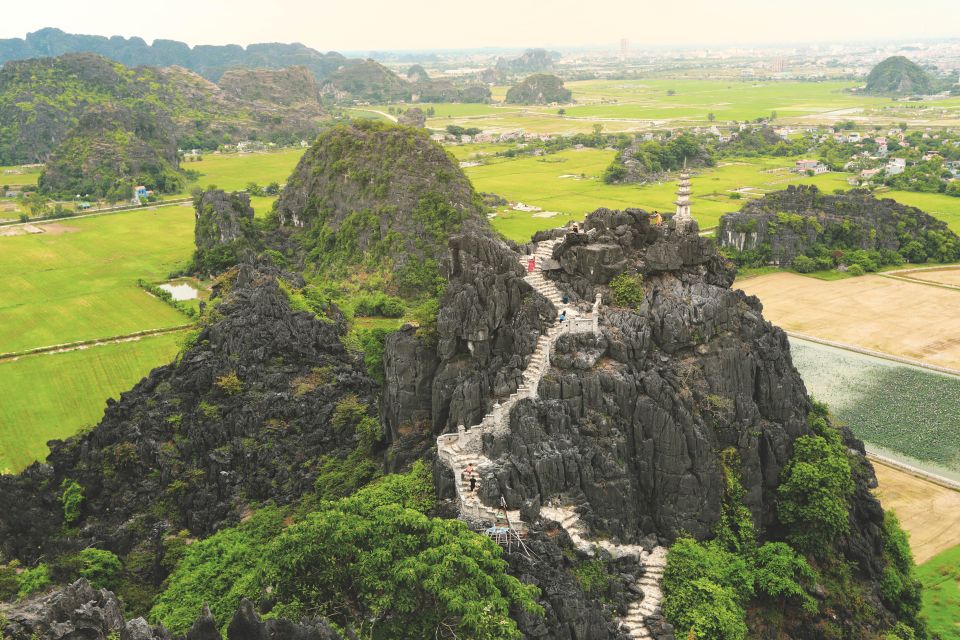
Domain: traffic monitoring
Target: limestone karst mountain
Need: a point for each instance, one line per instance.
(899, 75)
(633, 415)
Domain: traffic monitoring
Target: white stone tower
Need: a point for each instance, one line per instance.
(682, 217)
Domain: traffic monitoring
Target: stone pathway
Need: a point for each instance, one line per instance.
(457, 450)
(648, 584)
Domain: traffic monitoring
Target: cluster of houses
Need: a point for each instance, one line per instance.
(517, 135)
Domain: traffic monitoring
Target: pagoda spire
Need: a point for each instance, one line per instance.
(682, 217)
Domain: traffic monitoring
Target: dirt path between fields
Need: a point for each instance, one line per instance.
(86, 344)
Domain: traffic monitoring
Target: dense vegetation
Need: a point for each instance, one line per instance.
(381, 199)
(110, 152)
(719, 588)
(899, 75)
(374, 561)
(540, 88)
(43, 100)
(812, 231)
(647, 160)
(366, 80)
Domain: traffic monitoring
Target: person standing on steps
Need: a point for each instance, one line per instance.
(563, 315)
(471, 475)
(531, 264)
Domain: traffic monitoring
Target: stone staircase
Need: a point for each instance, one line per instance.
(648, 584)
(457, 450)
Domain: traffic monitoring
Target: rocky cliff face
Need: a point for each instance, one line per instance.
(786, 224)
(224, 233)
(241, 417)
(488, 325)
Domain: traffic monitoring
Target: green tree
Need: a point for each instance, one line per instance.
(72, 499)
(711, 117)
(100, 567)
(813, 493)
(627, 290)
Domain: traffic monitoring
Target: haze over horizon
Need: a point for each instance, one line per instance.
(432, 24)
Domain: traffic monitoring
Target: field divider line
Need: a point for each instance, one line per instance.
(101, 212)
(875, 354)
(80, 344)
(928, 283)
(923, 474)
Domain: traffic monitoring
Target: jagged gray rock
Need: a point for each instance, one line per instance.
(852, 220)
(76, 611)
(224, 233)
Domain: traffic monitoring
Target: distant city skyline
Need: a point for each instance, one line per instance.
(432, 24)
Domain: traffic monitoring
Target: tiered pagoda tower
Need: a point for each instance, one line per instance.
(682, 217)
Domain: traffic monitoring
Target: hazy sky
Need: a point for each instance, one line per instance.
(422, 24)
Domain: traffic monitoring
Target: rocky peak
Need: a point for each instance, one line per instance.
(224, 232)
(241, 417)
(380, 197)
(787, 223)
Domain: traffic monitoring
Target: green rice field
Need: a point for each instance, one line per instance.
(78, 281)
(941, 593)
(908, 411)
(19, 176)
(53, 396)
(570, 183)
(635, 104)
(946, 208)
(234, 171)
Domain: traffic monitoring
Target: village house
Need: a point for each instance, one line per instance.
(805, 166)
(896, 166)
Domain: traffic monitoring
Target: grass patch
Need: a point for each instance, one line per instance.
(56, 395)
(82, 284)
(569, 182)
(234, 171)
(941, 593)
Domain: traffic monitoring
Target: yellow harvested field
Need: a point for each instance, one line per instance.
(929, 512)
(907, 319)
(949, 276)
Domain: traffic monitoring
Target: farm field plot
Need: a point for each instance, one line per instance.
(17, 176)
(52, 396)
(941, 593)
(943, 207)
(929, 512)
(906, 410)
(950, 276)
(234, 171)
(78, 281)
(872, 312)
(570, 182)
(727, 100)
